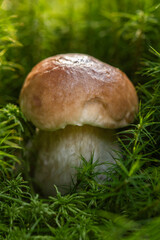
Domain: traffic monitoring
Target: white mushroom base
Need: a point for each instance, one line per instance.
(59, 154)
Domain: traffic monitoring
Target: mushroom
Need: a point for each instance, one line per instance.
(76, 102)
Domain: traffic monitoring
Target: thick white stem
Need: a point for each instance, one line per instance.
(59, 152)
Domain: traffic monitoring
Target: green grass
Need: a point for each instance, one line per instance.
(127, 205)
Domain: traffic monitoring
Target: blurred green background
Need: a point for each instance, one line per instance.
(116, 32)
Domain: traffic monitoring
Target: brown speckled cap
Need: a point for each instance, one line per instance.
(77, 89)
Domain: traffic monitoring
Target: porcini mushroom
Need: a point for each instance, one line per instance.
(76, 102)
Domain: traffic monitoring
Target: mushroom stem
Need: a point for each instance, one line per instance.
(59, 154)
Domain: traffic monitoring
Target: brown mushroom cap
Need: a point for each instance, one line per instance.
(77, 89)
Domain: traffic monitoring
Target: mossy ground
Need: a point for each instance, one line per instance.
(124, 34)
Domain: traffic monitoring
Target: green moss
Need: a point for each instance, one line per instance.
(127, 204)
